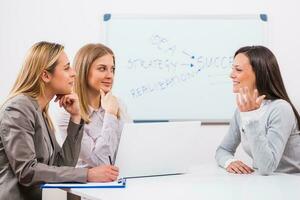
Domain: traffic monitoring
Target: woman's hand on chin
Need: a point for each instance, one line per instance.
(70, 103)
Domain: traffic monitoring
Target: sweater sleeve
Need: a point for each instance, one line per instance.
(230, 142)
(267, 141)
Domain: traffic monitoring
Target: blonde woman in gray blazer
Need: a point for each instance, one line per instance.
(29, 153)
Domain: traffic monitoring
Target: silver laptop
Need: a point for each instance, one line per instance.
(152, 149)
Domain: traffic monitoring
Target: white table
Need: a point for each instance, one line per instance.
(203, 182)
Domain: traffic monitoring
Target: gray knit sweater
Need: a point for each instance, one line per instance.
(268, 135)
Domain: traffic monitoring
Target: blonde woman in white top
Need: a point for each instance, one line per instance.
(102, 112)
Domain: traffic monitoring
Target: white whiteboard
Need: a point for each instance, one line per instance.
(177, 67)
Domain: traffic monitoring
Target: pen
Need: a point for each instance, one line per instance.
(122, 180)
(110, 162)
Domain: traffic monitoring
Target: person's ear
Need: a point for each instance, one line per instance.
(46, 76)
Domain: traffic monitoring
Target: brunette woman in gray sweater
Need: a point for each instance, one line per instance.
(266, 123)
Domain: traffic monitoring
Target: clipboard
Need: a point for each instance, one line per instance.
(121, 183)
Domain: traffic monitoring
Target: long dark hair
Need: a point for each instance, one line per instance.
(268, 77)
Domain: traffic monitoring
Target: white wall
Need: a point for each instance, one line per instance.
(74, 23)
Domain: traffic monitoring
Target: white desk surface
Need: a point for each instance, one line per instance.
(203, 182)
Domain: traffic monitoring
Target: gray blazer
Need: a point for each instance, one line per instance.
(29, 153)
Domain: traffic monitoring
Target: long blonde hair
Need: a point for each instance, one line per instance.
(41, 56)
(82, 63)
